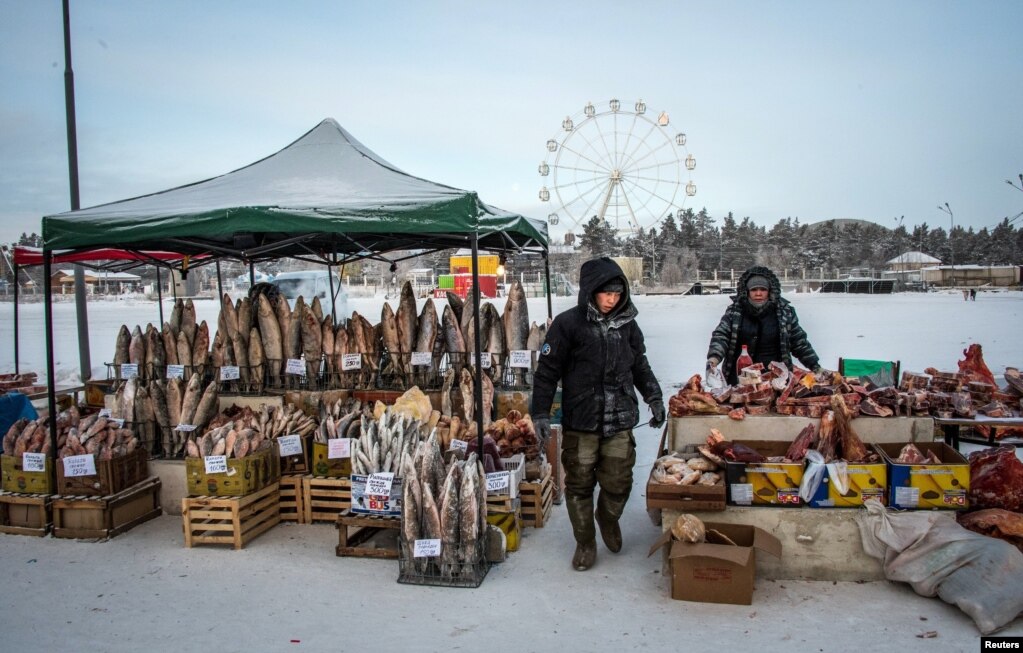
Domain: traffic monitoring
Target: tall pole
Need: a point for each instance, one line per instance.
(951, 243)
(72, 161)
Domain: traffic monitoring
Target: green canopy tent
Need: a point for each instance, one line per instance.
(325, 198)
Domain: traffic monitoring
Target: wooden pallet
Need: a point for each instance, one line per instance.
(25, 514)
(88, 517)
(325, 498)
(230, 520)
(293, 498)
(537, 500)
(366, 536)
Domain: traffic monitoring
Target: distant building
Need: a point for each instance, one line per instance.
(63, 281)
(972, 276)
(905, 268)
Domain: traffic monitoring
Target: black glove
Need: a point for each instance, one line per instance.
(657, 409)
(542, 425)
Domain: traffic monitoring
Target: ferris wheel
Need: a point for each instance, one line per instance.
(624, 166)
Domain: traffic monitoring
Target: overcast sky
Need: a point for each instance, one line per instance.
(816, 110)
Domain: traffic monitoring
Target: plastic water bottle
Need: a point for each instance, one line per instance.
(745, 360)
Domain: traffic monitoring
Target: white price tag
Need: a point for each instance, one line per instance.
(290, 445)
(422, 358)
(84, 465)
(175, 371)
(459, 445)
(520, 358)
(498, 481)
(742, 493)
(486, 362)
(426, 549)
(351, 362)
(229, 373)
(185, 428)
(129, 370)
(33, 462)
(295, 366)
(105, 412)
(339, 448)
(379, 484)
(215, 464)
(118, 421)
(907, 496)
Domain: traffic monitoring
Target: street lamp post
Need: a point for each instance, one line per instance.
(951, 244)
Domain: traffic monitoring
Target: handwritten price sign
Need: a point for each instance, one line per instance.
(84, 465)
(215, 464)
(379, 484)
(339, 448)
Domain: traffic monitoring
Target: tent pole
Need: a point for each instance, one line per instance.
(333, 297)
(220, 281)
(159, 294)
(16, 319)
(252, 274)
(547, 274)
(51, 393)
(476, 353)
(72, 161)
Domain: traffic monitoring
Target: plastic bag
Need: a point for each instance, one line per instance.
(813, 475)
(938, 557)
(715, 379)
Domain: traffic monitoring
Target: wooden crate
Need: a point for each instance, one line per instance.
(293, 498)
(325, 498)
(230, 520)
(367, 536)
(112, 476)
(87, 517)
(25, 514)
(537, 499)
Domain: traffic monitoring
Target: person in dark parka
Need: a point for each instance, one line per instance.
(762, 319)
(596, 351)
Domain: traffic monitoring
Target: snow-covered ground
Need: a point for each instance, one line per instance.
(288, 591)
(920, 329)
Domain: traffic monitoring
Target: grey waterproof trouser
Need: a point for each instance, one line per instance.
(590, 460)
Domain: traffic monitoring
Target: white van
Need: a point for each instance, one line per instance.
(310, 284)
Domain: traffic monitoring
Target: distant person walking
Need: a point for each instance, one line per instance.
(973, 294)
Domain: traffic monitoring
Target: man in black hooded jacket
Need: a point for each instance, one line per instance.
(596, 350)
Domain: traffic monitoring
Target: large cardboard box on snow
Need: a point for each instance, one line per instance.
(716, 571)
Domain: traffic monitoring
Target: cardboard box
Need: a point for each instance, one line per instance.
(243, 476)
(367, 504)
(764, 484)
(329, 467)
(866, 481)
(16, 480)
(944, 486)
(716, 571)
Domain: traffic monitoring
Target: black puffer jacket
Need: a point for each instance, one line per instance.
(725, 342)
(599, 360)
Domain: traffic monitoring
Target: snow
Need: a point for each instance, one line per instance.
(919, 329)
(288, 591)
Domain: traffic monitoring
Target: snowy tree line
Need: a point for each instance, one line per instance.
(681, 247)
